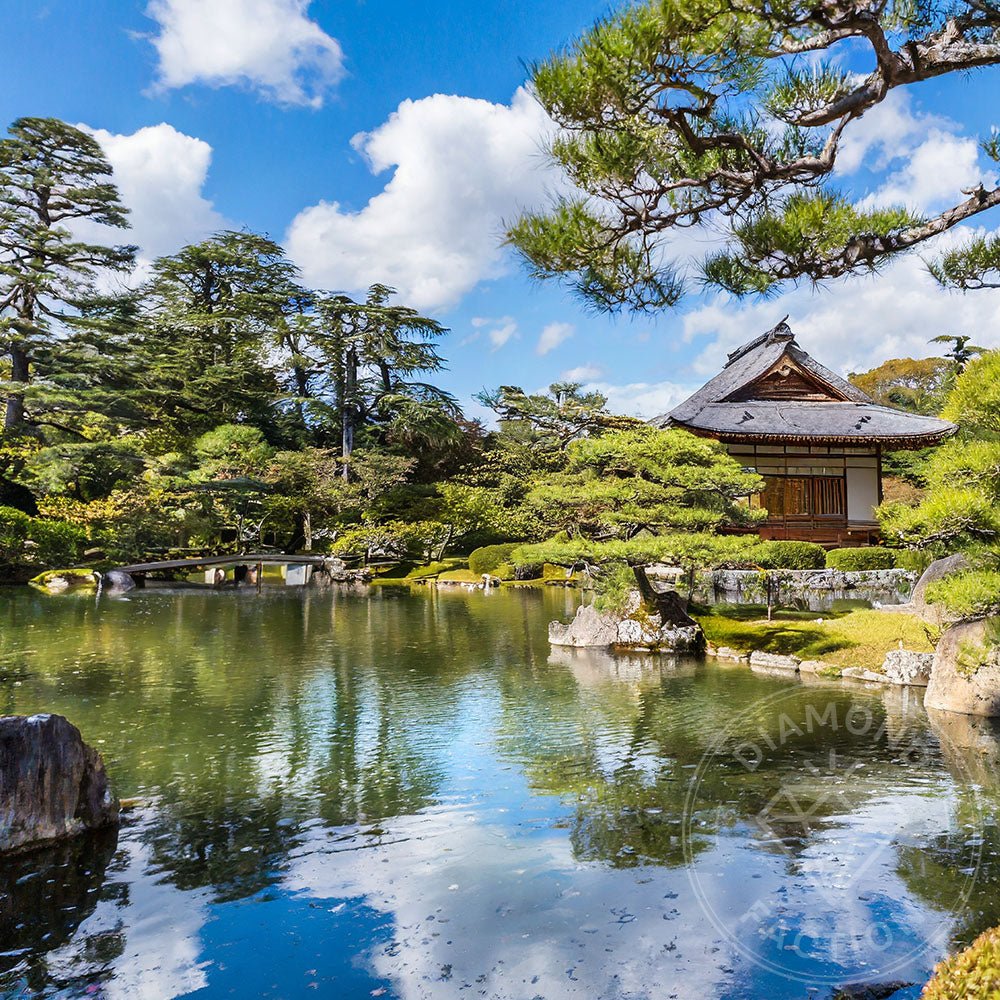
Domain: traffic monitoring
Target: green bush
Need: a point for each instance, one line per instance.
(487, 558)
(788, 555)
(14, 525)
(913, 560)
(859, 560)
(57, 543)
(973, 974)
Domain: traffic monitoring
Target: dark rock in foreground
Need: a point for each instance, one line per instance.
(52, 785)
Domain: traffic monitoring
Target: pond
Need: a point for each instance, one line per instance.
(408, 794)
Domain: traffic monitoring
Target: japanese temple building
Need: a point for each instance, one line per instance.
(816, 439)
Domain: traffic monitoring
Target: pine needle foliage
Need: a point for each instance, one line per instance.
(728, 115)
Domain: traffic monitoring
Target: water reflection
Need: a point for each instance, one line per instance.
(409, 792)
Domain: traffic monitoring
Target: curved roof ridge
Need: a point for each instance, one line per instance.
(708, 409)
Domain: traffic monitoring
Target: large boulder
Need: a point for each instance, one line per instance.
(52, 785)
(589, 628)
(903, 666)
(118, 581)
(937, 570)
(633, 628)
(966, 673)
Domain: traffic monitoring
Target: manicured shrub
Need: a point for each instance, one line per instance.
(14, 525)
(505, 571)
(973, 974)
(788, 555)
(859, 560)
(57, 543)
(487, 558)
(913, 560)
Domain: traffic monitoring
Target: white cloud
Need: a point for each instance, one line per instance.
(552, 336)
(461, 168)
(160, 174)
(642, 399)
(582, 373)
(928, 161)
(500, 334)
(270, 46)
(935, 174)
(886, 133)
(856, 324)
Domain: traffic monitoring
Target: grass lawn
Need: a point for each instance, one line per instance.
(859, 638)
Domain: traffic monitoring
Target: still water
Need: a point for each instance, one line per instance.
(408, 794)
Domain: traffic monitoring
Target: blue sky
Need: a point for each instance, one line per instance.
(389, 141)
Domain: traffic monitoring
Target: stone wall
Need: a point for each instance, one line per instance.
(817, 589)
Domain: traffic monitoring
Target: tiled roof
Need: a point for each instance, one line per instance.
(852, 418)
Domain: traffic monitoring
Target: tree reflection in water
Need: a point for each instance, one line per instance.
(343, 760)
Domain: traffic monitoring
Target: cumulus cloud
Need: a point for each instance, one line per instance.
(641, 399)
(582, 373)
(856, 324)
(160, 173)
(935, 173)
(926, 158)
(885, 133)
(461, 167)
(269, 46)
(552, 336)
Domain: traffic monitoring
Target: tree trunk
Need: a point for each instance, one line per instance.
(20, 374)
(350, 391)
(668, 604)
(307, 531)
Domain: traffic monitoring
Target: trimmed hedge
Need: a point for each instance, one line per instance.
(788, 555)
(860, 560)
(487, 558)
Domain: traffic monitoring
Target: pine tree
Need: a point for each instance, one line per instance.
(55, 183)
(729, 115)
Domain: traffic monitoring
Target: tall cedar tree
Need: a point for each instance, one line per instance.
(54, 183)
(365, 358)
(730, 114)
(215, 314)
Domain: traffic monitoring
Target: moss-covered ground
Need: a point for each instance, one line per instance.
(859, 637)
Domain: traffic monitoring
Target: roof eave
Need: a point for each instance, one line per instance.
(911, 442)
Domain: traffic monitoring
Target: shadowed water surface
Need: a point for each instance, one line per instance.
(409, 795)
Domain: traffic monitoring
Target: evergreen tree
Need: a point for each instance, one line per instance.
(629, 498)
(55, 183)
(215, 314)
(364, 361)
(961, 508)
(675, 114)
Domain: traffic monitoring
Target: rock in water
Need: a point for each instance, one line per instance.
(588, 628)
(966, 673)
(633, 628)
(118, 581)
(902, 666)
(52, 785)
